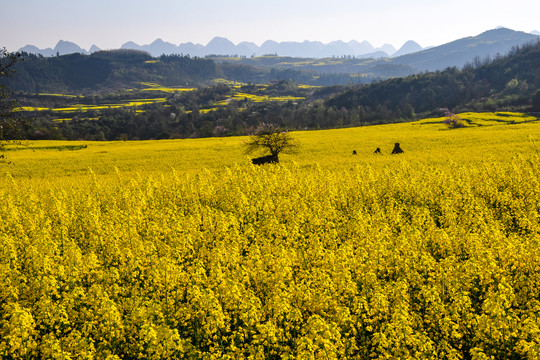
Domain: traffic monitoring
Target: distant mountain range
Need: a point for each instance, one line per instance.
(411, 58)
(486, 44)
(61, 48)
(222, 46)
(460, 52)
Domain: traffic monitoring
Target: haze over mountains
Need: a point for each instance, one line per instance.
(307, 49)
(410, 59)
(61, 48)
(345, 58)
(223, 46)
(310, 49)
(462, 51)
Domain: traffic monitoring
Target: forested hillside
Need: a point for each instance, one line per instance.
(225, 108)
(120, 69)
(106, 70)
(506, 82)
(489, 44)
(123, 69)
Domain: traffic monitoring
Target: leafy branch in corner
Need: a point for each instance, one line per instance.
(11, 121)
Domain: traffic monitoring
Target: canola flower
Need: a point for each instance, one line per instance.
(486, 118)
(326, 255)
(60, 95)
(228, 82)
(84, 107)
(275, 262)
(261, 98)
(171, 90)
(156, 87)
(153, 87)
(302, 86)
(31, 108)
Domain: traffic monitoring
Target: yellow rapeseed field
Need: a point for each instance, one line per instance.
(84, 108)
(261, 98)
(183, 249)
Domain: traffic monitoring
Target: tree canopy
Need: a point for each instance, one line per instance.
(11, 122)
(271, 138)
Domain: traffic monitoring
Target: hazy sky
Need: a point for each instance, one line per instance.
(111, 23)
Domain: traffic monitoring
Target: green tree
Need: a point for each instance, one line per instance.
(11, 122)
(271, 138)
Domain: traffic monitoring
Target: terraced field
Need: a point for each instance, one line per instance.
(81, 109)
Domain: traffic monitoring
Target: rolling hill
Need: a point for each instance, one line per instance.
(463, 51)
(410, 60)
(338, 57)
(511, 81)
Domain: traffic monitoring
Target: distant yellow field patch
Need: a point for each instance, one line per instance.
(206, 111)
(83, 107)
(151, 61)
(497, 117)
(328, 61)
(157, 87)
(486, 118)
(170, 90)
(31, 108)
(88, 107)
(261, 98)
(228, 82)
(60, 95)
(286, 98)
(308, 87)
(223, 102)
(139, 102)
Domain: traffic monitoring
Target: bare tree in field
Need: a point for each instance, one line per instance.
(269, 138)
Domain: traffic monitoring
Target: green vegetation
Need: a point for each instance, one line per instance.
(122, 69)
(504, 83)
(225, 105)
(336, 69)
(11, 123)
(270, 138)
